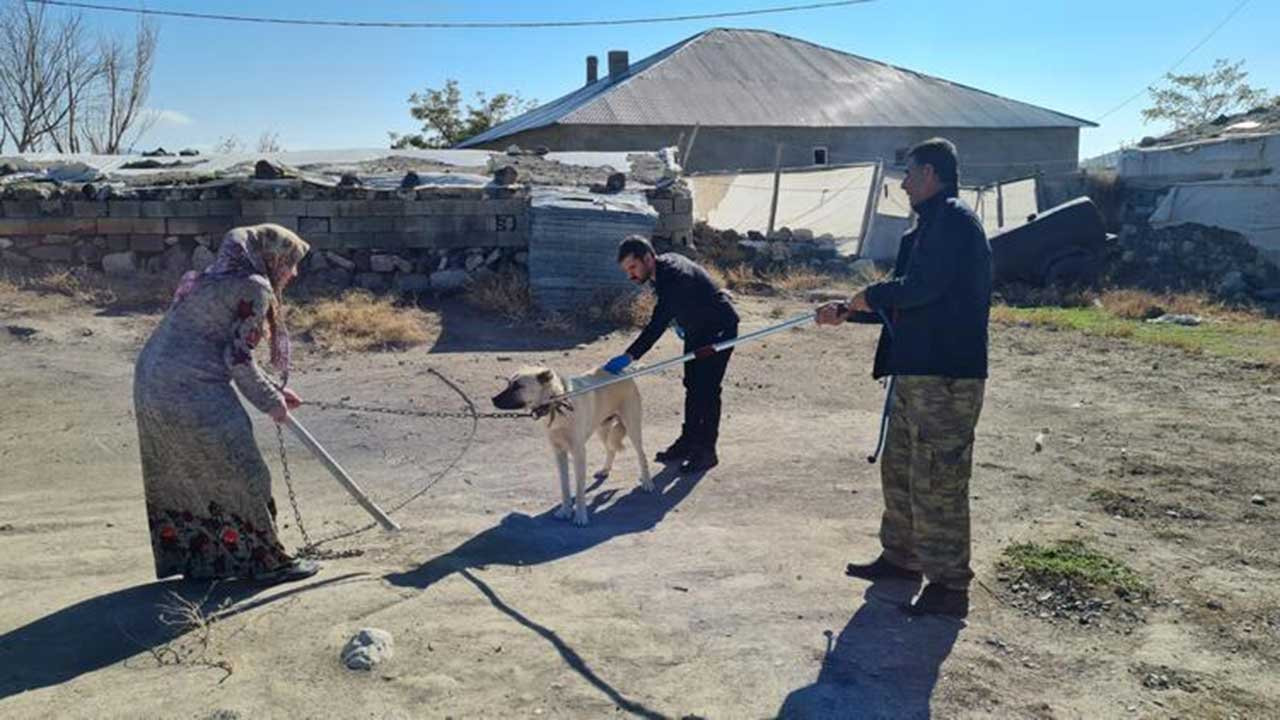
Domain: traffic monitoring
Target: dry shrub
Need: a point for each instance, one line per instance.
(1141, 304)
(630, 309)
(359, 321)
(91, 287)
(506, 293)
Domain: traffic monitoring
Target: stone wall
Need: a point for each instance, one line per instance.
(428, 239)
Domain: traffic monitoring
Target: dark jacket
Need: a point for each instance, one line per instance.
(688, 295)
(939, 298)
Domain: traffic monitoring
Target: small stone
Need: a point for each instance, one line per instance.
(124, 263)
(448, 280)
(1214, 605)
(201, 258)
(373, 282)
(408, 283)
(385, 263)
(506, 175)
(1258, 500)
(5, 243)
(368, 648)
(340, 261)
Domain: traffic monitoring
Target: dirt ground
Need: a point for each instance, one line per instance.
(721, 597)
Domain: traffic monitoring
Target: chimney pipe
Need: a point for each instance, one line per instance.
(593, 72)
(618, 64)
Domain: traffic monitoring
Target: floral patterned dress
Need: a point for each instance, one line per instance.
(208, 490)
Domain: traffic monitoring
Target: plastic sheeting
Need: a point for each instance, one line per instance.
(1251, 209)
(1000, 207)
(323, 166)
(825, 202)
(1203, 160)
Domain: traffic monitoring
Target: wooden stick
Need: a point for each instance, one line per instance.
(341, 475)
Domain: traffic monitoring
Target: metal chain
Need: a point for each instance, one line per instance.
(309, 549)
(454, 415)
(312, 549)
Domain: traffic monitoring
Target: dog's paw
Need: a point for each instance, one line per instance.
(580, 518)
(563, 512)
(601, 475)
(646, 484)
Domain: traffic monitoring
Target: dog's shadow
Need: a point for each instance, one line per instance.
(520, 540)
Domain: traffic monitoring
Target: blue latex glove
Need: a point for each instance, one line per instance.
(679, 330)
(617, 364)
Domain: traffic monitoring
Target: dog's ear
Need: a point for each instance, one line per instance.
(545, 376)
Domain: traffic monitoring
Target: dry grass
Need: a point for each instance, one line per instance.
(1141, 304)
(743, 278)
(630, 309)
(359, 321)
(81, 285)
(506, 293)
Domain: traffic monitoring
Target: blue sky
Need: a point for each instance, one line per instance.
(345, 88)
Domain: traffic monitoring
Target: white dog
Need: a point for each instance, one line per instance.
(613, 412)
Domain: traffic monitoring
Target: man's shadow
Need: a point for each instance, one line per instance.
(519, 539)
(884, 664)
(107, 629)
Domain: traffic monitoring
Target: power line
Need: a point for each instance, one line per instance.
(446, 25)
(1181, 60)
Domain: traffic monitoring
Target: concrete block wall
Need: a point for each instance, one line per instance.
(376, 239)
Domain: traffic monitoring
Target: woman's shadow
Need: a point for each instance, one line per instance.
(884, 664)
(519, 539)
(107, 629)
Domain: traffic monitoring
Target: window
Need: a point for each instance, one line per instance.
(819, 156)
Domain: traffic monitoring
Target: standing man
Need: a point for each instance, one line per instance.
(934, 343)
(703, 315)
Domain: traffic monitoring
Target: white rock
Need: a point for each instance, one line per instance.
(201, 258)
(446, 280)
(5, 243)
(125, 263)
(368, 648)
(340, 261)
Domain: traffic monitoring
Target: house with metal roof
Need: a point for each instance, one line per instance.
(737, 95)
(740, 94)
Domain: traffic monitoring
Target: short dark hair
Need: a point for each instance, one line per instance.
(636, 246)
(941, 154)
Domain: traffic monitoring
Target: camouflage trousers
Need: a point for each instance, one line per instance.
(925, 470)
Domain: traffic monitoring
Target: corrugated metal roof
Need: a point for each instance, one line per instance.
(744, 78)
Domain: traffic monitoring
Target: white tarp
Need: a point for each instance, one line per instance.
(1202, 160)
(999, 207)
(1249, 208)
(830, 201)
(323, 164)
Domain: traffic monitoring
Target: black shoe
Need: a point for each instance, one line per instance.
(939, 600)
(679, 450)
(299, 569)
(881, 569)
(700, 460)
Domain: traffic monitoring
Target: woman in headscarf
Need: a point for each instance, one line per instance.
(208, 490)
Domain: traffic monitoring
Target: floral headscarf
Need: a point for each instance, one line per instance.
(267, 250)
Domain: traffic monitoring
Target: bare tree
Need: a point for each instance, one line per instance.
(227, 145)
(269, 142)
(43, 70)
(119, 114)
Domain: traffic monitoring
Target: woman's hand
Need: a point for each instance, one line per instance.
(279, 413)
(291, 399)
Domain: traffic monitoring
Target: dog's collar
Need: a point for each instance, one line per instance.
(551, 408)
